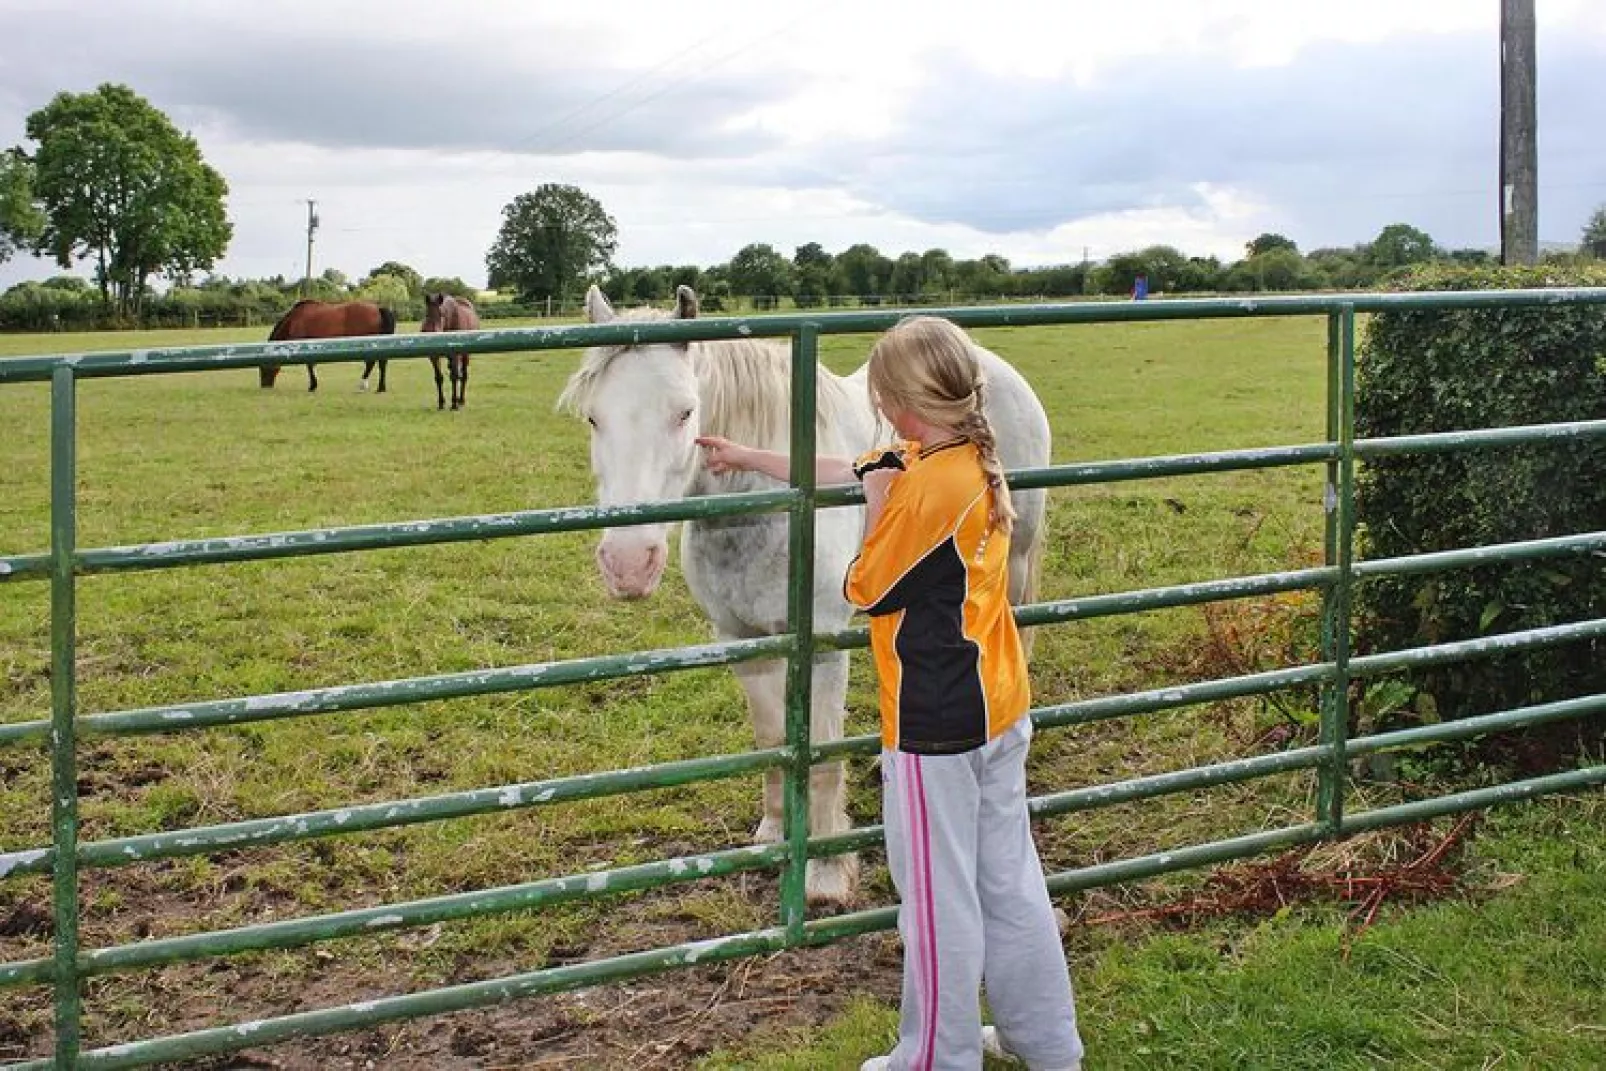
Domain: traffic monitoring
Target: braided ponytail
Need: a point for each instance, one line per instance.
(928, 366)
(975, 426)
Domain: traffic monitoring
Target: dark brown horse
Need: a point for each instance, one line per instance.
(323, 319)
(443, 312)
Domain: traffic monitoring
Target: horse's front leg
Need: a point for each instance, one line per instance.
(833, 880)
(382, 366)
(765, 684)
(312, 378)
(460, 382)
(440, 395)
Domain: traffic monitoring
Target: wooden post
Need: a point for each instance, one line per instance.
(1519, 143)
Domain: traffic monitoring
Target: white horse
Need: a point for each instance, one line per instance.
(647, 403)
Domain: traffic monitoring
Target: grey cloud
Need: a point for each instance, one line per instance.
(257, 81)
(1342, 142)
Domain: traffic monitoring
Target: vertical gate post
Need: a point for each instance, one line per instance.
(800, 622)
(1338, 501)
(63, 709)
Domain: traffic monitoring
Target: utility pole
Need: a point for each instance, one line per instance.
(312, 225)
(1519, 142)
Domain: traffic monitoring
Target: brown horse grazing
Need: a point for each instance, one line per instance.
(443, 312)
(324, 319)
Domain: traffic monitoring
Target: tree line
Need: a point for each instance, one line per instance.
(114, 185)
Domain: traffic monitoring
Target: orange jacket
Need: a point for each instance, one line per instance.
(934, 576)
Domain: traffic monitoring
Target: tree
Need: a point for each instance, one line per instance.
(1163, 264)
(552, 239)
(1266, 243)
(1593, 240)
(987, 277)
(437, 284)
(397, 270)
(1400, 244)
(118, 182)
(1198, 274)
(20, 219)
(812, 265)
(862, 271)
(907, 278)
(1279, 268)
(388, 291)
(936, 270)
(652, 284)
(759, 271)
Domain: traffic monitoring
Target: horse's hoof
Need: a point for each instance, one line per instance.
(362, 386)
(832, 882)
(770, 831)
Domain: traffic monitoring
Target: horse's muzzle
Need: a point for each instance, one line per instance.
(631, 571)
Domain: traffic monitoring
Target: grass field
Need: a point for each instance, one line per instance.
(204, 455)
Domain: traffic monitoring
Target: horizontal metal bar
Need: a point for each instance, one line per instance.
(430, 1002)
(1482, 724)
(1172, 782)
(1129, 602)
(411, 690)
(1446, 441)
(1473, 800)
(1120, 470)
(506, 340)
(292, 933)
(26, 972)
(1463, 650)
(1468, 557)
(1150, 468)
(182, 552)
(1103, 708)
(1084, 711)
(361, 818)
(1167, 862)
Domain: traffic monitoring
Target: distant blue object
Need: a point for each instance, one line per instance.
(1140, 288)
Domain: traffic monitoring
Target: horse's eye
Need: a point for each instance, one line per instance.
(684, 416)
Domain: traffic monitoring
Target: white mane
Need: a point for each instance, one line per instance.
(744, 386)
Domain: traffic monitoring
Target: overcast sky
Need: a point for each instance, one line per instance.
(1032, 128)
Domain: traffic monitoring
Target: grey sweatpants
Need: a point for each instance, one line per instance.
(974, 910)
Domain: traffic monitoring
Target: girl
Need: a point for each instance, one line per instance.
(953, 697)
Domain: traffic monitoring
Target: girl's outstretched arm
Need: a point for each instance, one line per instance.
(721, 455)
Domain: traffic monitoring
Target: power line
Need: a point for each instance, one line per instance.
(702, 74)
(628, 84)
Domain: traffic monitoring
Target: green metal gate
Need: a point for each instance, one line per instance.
(67, 856)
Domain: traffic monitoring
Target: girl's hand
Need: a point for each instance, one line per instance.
(720, 455)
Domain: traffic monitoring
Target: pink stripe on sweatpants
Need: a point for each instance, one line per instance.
(927, 915)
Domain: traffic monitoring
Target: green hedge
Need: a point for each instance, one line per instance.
(1423, 372)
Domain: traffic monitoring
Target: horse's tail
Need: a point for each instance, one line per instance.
(387, 321)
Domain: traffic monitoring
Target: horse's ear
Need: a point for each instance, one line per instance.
(685, 303)
(598, 311)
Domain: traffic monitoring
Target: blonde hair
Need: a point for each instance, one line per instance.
(928, 366)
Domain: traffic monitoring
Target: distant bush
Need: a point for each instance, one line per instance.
(1421, 371)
